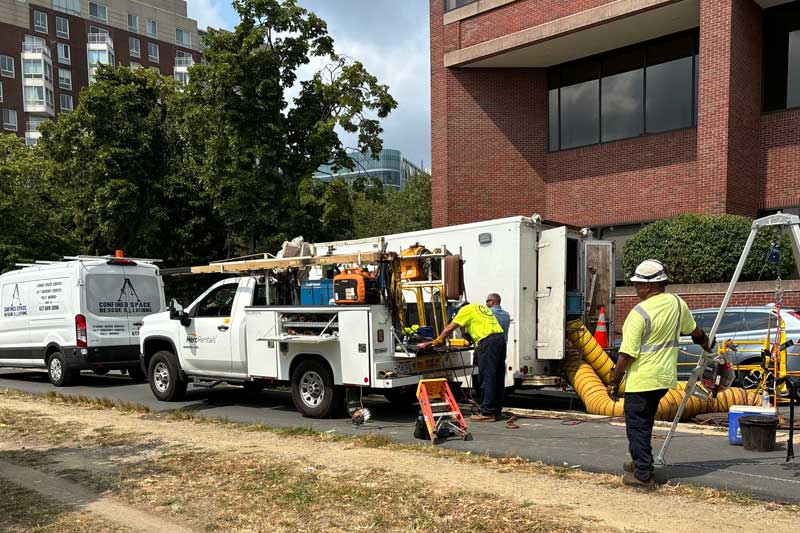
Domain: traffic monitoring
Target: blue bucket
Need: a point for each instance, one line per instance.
(738, 411)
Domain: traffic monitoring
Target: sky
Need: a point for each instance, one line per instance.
(391, 39)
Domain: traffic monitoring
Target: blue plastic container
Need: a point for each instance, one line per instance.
(738, 411)
(316, 292)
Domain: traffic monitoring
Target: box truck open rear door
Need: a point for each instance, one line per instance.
(551, 294)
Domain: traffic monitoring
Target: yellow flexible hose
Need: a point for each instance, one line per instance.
(589, 376)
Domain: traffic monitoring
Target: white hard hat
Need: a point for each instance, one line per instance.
(650, 271)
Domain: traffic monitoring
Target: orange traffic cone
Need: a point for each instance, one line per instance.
(601, 333)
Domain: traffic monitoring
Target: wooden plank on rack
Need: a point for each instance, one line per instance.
(292, 262)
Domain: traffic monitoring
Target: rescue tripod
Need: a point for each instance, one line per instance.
(791, 224)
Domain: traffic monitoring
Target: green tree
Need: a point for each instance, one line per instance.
(706, 249)
(251, 146)
(29, 226)
(122, 178)
(384, 212)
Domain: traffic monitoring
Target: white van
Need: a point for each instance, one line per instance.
(79, 314)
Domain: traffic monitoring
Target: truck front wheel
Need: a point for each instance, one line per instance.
(313, 391)
(165, 377)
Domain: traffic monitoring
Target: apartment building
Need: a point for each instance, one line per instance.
(614, 113)
(50, 49)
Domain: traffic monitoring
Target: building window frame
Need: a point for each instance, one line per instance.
(135, 26)
(8, 124)
(1, 92)
(101, 12)
(135, 51)
(598, 59)
(60, 32)
(5, 62)
(154, 58)
(64, 58)
(40, 21)
(188, 37)
(65, 79)
(65, 98)
(134, 65)
(151, 27)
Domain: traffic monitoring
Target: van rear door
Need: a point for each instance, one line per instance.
(106, 309)
(145, 296)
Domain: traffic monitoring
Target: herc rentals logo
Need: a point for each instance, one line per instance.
(127, 302)
(17, 308)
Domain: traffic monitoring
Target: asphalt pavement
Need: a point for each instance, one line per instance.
(596, 445)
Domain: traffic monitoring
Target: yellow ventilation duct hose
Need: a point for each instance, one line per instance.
(589, 376)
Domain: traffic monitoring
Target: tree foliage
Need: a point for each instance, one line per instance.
(29, 227)
(120, 176)
(384, 212)
(706, 249)
(252, 147)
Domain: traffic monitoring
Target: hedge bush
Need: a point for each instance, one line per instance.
(706, 249)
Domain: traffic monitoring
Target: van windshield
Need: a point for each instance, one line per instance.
(119, 294)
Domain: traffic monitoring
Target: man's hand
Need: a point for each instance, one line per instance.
(613, 388)
(438, 341)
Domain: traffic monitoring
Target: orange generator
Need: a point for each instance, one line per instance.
(410, 264)
(355, 286)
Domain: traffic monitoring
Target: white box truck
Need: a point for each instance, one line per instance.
(231, 334)
(80, 314)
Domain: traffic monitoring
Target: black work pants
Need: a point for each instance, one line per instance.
(640, 414)
(491, 356)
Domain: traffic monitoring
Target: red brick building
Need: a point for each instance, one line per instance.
(49, 50)
(612, 113)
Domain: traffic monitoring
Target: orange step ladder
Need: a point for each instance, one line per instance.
(440, 410)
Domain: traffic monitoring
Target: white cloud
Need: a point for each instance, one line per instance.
(210, 13)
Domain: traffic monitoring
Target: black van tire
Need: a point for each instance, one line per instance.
(137, 374)
(166, 381)
(58, 372)
(313, 391)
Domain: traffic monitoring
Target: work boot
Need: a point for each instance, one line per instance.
(632, 481)
(483, 418)
(628, 466)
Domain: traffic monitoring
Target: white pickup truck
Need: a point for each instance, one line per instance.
(230, 334)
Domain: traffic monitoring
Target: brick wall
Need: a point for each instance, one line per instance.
(518, 16)
(699, 296)
(779, 159)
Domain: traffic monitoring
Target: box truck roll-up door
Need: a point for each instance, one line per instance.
(551, 294)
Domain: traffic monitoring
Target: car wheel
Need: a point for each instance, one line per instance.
(59, 374)
(313, 391)
(137, 374)
(166, 381)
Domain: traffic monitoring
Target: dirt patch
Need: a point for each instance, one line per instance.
(243, 478)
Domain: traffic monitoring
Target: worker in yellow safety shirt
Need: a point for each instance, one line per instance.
(648, 358)
(490, 351)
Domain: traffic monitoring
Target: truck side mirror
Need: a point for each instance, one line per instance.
(176, 312)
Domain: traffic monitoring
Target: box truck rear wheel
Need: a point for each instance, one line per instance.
(166, 381)
(313, 391)
(57, 371)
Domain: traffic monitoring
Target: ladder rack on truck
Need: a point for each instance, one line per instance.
(249, 330)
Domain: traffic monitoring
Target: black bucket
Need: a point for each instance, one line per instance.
(758, 432)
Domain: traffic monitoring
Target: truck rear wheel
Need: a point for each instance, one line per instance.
(59, 374)
(165, 377)
(313, 391)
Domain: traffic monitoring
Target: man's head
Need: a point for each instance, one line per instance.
(493, 299)
(650, 278)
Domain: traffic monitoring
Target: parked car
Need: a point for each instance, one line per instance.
(742, 324)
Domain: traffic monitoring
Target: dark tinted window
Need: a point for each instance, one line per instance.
(580, 104)
(670, 87)
(218, 302)
(622, 86)
(781, 85)
(732, 323)
(260, 297)
(649, 87)
(756, 320)
(705, 320)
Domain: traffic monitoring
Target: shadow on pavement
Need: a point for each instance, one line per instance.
(87, 379)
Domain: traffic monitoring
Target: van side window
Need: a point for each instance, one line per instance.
(218, 302)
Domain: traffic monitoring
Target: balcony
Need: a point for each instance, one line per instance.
(101, 39)
(183, 62)
(35, 48)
